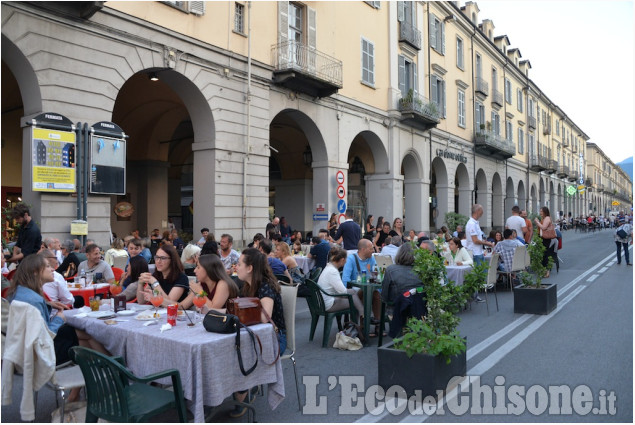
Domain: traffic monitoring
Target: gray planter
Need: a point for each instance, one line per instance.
(529, 300)
(420, 372)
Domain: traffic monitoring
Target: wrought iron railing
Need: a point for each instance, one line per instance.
(482, 86)
(497, 97)
(300, 57)
(563, 170)
(538, 161)
(410, 34)
(414, 102)
(531, 122)
(491, 139)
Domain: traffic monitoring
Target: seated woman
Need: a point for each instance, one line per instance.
(188, 258)
(212, 278)
(284, 254)
(331, 281)
(297, 247)
(297, 236)
(26, 286)
(168, 278)
(136, 266)
(116, 250)
(457, 255)
(259, 281)
(399, 277)
(380, 237)
(68, 268)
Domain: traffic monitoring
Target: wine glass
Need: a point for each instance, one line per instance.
(156, 299)
(115, 289)
(199, 302)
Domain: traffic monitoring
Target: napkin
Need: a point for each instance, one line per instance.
(166, 327)
(152, 322)
(80, 315)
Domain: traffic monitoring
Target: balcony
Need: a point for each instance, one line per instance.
(552, 166)
(497, 98)
(563, 171)
(588, 182)
(546, 129)
(574, 148)
(531, 123)
(600, 187)
(493, 145)
(574, 176)
(482, 86)
(565, 142)
(537, 163)
(409, 34)
(418, 111)
(304, 69)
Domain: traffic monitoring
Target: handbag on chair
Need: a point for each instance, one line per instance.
(247, 309)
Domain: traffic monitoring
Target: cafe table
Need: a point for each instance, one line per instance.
(305, 263)
(367, 296)
(89, 291)
(207, 362)
(457, 273)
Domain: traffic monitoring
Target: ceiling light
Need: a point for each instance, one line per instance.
(153, 76)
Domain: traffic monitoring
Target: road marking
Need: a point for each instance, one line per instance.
(471, 352)
(592, 278)
(582, 276)
(603, 269)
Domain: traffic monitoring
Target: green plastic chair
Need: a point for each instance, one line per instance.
(314, 274)
(116, 395)
(317, 309)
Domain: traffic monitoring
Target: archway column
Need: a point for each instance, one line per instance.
(204, 195)
(484, 197)
(384, 194)
(498, 215)
(417, 193)
(443, 204)
(465, 201)
(325, 189)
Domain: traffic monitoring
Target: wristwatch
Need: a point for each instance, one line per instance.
(154, 284)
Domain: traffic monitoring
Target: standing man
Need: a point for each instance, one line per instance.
(349, 232)
(320, 249)
(94, 264)
(530, 227)
(474, 235)
(29, 236)
(228, 256)
(517, 223)
(625, 241)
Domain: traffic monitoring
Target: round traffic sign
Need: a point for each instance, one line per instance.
(341, 206)
(341, 219)
(341, 192)
(340, 177)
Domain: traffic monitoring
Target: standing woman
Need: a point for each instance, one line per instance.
(397, 228)
(260, 282)
(168, 278)
(370, 229)
(548, 235)
(332, 225)
(212, 278)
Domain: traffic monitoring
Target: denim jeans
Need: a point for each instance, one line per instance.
(282, 340)
(478, 259)
(619, 252)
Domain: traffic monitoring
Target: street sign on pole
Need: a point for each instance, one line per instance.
(341, 206)
(341, 192)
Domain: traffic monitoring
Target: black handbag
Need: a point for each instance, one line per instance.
(226, 324)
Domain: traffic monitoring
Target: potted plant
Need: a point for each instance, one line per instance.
(406, 101)
(533, 296)
(431, 351)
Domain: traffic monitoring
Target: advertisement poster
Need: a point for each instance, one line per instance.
(53, 160)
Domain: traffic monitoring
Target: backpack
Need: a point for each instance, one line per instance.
(621, 233)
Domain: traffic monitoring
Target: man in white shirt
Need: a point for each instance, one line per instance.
(57, 290)
(474, 235)
(517, 223)
(392, 248)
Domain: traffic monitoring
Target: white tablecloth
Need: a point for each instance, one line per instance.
(457, 273)
(207, 362)
(305, 263)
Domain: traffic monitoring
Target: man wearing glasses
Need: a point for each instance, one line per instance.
(94, 264)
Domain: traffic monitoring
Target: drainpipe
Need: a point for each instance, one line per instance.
(473, 110)
(78, 170)
(87, 174)
(248, 139)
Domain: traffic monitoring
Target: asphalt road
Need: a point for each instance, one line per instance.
(586, 342)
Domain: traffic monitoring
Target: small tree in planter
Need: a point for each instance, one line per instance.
(431, 350)
(453, 219)
(533, 296)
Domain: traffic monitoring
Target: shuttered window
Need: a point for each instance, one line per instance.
(508, 91)
(459, 53)
(519, 96)
(437, 34)
(368, 62)
(461, 108)
(521, 141)
(407, 76)
(437, 93)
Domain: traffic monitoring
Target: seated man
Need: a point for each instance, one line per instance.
(357, 263)
(94, 264)
(392, 247)
(266, 246)
(57, 290)
(506, 249)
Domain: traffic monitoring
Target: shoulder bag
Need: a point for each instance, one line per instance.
(549, 232)
(621, 233)
(247, 309)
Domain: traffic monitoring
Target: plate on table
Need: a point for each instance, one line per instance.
(98, 314)
(140, 307)
(149, 314)
(126, 312)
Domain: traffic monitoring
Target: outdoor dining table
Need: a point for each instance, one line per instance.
(367, 296)
(305, 263)
(207, 362)
(457, 273)
(90, 291)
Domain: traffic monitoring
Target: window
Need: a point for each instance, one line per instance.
(437, 93)
(530, 107)
(519, 97)
(368, 62)
(461, 107)
(530, 140)
(437, 34)
(521, 141)
(508, 91)
(479, 116)
(459, 52)
(496, 123)
(538, 114)
(494, 80)
(239, 18)
(558, 128)
(193, 7)
(509, 133)
(407, 76)
(295, 22)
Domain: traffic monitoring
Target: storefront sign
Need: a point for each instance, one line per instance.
(444, 153)
(53, 160)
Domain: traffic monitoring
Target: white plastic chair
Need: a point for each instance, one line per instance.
(120, 262)
(491, 279)
(289, 296)
(518, 264)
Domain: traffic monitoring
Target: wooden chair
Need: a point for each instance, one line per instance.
(317, 309)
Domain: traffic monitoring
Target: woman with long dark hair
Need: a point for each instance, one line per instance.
(548, 235)
(168, 278)
(369, 228)
(332, 228)
(212, 278)
(137, 265)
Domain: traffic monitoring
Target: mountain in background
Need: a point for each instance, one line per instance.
(627, 166)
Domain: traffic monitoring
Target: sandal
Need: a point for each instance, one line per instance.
(376, 332)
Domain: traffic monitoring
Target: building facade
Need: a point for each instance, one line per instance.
(237, 110)
(611, 189)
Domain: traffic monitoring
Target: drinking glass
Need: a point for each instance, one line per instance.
(94, 303)
(156, 299)
(115, 289)
(199, 302)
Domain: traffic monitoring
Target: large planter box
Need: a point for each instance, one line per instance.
(420, 372)
(541, 300)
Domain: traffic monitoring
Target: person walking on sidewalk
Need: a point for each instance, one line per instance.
(623, 242)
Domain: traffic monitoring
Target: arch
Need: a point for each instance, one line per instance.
(463, 191)
(510, 196)
(552, 196)
(292, 122)
(559, 201)
(498, 214)
(482, 195)
(522, 195)
(413, 195)
(25, 76)
(541, 193)
(534, 198)
(439, 191)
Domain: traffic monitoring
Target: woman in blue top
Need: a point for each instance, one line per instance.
(26, 286)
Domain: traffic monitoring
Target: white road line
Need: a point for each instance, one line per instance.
(471, 352)
(592, 278)
(603, 269)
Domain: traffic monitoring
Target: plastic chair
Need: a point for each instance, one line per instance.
(518, 264)
(116, 395)
(120, 262)
(314, 274)
(317, 309)
(492, 274)
(117, 272)
(283, 277)
(289, 296)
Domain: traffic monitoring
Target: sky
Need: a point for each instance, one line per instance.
(581, 54)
